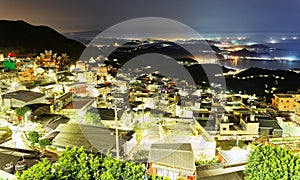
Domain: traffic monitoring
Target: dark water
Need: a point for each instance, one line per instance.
(284, 44)
(242, 64)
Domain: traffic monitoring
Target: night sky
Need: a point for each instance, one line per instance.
(202, 15)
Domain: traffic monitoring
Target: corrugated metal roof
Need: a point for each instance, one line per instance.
(173, 155)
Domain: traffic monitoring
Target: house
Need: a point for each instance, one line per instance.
(77, 108)
(233, 156)
(241, 123)
(21, 98)
(107, 116)
(269, 126)
(86, 76)
(61, 101)
(92, 138)
(26, 75)
(78, 89)
(9, 76)
(286, 102)
(172, 160)
(39, 109)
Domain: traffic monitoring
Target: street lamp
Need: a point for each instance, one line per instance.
(27, 115)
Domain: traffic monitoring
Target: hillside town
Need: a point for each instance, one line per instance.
(48, 104)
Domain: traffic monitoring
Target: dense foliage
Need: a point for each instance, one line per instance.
(77, 164)
(21, 111)
(200, 162)
(44, 142)
(268, 162)
(33, 137)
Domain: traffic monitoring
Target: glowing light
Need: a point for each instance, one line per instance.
(291, 58)
(294, 38)
(14, 85)
(283, 38)
(251, 43)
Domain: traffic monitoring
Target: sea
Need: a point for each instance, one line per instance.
(285, 45)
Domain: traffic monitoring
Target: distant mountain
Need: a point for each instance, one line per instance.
(247, 53)
(84, 37)
(262, 82)
(25, 38)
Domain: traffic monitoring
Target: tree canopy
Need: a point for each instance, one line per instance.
(272, 162)
(33, 137)
(21, 111)
(75, 164)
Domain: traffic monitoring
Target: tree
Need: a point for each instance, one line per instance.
(137, 127)
(33, 137)
(42, 170)
(77, 164)
(272, 162)
(21, 111)
(44, 142)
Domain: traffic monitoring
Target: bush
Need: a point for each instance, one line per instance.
(200, 162)
(33, 137)
(270, 162)
(43, 143)
(77, 164)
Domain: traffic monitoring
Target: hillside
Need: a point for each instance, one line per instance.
(24, 38)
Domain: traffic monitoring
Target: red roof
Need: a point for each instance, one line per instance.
(10, 54)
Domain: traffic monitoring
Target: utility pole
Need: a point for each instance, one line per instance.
(143, 112)
(117, 132)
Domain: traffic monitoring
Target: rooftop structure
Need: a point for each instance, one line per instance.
(172, 160)
(286, 102)
(21, 98)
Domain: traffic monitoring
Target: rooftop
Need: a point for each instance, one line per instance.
(78, 103)
(23, 95)
(175, 155)
(91, 137)
(284, 95)
(105, 113)
(269, 123)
